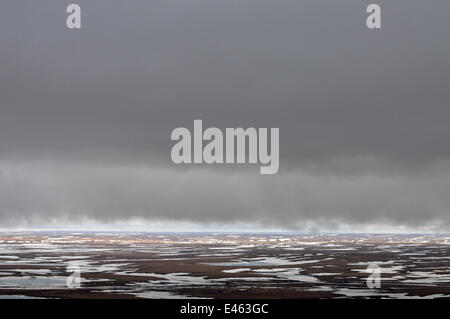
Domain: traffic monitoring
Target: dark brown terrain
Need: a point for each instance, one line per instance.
(144, 265)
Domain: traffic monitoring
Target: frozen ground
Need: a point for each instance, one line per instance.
(144, 265)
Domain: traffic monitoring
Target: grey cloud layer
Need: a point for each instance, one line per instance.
(40, 192)
(349, 102)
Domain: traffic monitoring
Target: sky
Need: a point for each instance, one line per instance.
(86, 115)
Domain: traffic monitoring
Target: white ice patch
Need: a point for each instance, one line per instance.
(237, 270)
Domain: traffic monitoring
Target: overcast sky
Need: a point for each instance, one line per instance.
(364, 115)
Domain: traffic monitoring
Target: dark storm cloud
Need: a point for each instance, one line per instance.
(356, 107)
